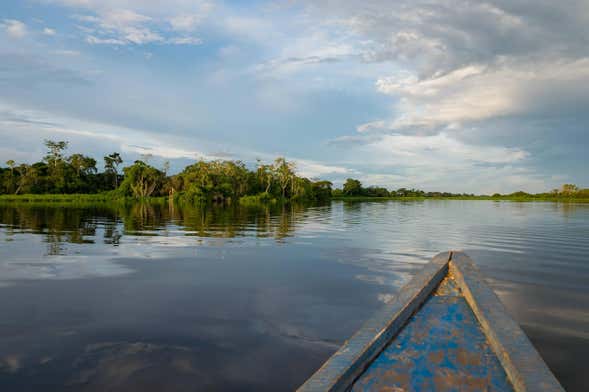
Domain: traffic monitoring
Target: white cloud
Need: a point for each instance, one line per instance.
(189, 22)
(185, 41)
(121, 26)
(48, 31)
(140, 22)
(110, 41)
(433, 162)
(92, 134)
(38, 124)
(15, 28)
(312, 169)
(65, 52)
(479, 92)
(431, 150)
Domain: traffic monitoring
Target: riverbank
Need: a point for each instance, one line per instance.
(73, 198)
(496, 198)
(110, 198)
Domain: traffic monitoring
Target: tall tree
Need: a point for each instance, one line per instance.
(111, 166)
(56, 164)
(55, 154)
(265, 176)
(10, 183)
(284, 172)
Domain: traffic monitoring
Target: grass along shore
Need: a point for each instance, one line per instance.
(110, 197)
(483, 197)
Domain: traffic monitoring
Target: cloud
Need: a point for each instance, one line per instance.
(477, 64)
(65, 52)
(39, 124)
(17, 69)
(162, 151)
(432, 162)
(14, 28)
(299, 52)
(138, 22)
(100, 138)
(498, 84)
(433, 38)
(48, 31)
(189, 22)
(109, 41)
(494, 89)
(120, 27)
(312, 169)
(479, 92)
(185, 41)
(428, 151)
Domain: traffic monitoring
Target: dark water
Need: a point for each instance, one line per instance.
(161, 298)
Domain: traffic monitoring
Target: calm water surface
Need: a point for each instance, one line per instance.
(162, 298)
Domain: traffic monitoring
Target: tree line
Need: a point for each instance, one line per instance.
(216, 181)
(354, 188)
(220, 181)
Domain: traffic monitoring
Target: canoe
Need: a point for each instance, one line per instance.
(446, 330)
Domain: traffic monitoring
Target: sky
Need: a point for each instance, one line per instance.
(442, 95)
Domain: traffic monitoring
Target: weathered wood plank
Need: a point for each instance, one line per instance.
(523, 365)
(340, 371)
(442, 348)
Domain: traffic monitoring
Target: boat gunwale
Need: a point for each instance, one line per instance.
(340, 371)
(523, 365)
(525, 368)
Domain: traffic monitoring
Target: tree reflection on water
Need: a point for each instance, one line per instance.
(76, 224)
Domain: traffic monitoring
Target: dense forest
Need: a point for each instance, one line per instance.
(215, 181)
(204, 181)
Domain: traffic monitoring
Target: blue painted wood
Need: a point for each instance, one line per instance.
(339, 372)
(461, 339)
(442, 348)
(522, 363)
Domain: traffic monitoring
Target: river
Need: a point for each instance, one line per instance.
(159, 297)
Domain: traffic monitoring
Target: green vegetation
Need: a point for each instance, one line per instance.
(354, 191)
(75, 178)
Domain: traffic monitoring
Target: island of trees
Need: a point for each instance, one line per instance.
(218, 181)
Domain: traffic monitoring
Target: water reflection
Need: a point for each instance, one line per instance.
(147, 296)
(78, 225)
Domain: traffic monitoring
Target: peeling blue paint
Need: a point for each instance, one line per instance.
(445, 331)
(442, 348)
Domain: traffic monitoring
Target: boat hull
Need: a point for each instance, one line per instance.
(445, 331)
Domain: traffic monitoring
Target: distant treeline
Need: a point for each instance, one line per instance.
(353, 189)
(215, 181)
(204, 181)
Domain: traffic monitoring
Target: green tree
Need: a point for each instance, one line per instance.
(10, 181)
(28, 176)
(569, 189)
(56, 164)
(141, 180)
(321, 190)
(82, 165)
(352, 187)
(111, 167)
(284, 173)
(55, 154)
(265, 176)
